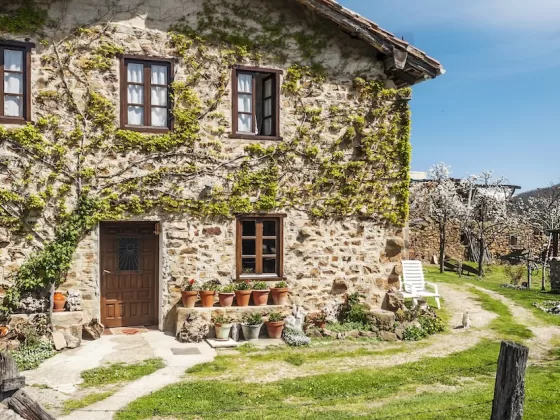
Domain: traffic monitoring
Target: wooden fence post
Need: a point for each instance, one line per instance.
(509, 391)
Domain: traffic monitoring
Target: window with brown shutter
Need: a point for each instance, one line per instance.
(15, 72)
(256, 103)
(259, 247)
(145, 94)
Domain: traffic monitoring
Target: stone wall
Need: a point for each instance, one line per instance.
(555, 275)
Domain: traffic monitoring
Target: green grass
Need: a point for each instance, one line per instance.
(72, 405)
(120, 372)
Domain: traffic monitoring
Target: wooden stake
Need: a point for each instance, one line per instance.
(509, 391)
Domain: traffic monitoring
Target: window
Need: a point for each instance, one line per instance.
(145, 96)
(256, 103)
(129, 254)
(259, 247)
(513, 240)
(14, 91)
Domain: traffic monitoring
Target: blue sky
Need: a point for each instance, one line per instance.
(498, 106)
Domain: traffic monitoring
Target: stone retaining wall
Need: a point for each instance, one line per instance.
(555, 275)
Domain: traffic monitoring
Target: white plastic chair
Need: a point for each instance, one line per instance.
(413, 285)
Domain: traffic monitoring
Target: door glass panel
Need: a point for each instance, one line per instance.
(269, 265)
(269, 228)
(129, 254)
(249, 228)
(248, 265)
(269, 246)
(248, 247)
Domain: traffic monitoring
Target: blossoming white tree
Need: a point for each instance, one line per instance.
(440, 200)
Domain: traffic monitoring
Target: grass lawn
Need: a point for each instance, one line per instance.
(458, 386)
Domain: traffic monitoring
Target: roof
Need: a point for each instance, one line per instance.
(406, 64)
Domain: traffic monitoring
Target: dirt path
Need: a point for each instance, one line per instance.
(542, 343)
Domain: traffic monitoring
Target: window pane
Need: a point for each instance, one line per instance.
(269, 228)
(267, 107)
(248, 247)
(13, 83)
(249, 228)
(159, 75)
(245, 83)
(244, 123)
(269, 265)
(268, 88)
(248, 265)
(159, 96)
(267, 127)
(135, 73)
(136, 115)
(245, 103)
(13, 106)
(13, 60)
(129, 254)
(135, 94)
(269, 246)
(159, 117)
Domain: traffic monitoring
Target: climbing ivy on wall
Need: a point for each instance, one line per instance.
(349, 159)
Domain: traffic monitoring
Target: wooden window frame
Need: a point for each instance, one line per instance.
(279, 237)
(24, 47)
(147, 62)
(274, 74)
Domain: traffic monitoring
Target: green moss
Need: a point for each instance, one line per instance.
(27, 18)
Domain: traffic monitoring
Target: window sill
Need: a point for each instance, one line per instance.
(13, 120)
(258, 277)
(145, 129)
(254, 137)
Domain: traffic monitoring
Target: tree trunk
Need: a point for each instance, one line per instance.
(27, 407)
(441, 247)
(480, 255)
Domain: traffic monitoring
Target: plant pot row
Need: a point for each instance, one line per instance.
(242, 297)
(251, 332)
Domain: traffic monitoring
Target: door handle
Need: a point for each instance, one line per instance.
(106, 272)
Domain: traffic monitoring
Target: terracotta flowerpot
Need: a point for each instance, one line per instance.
(242, 297)
(59, 300)
(279, 295)
(207, 298)
(226, 299)
(189, 298)
(320, 324)
(251, 332)
(275, 328)
(4, 331)
(260, 297)
(222, 331)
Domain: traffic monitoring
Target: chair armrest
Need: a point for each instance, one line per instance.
(409, 289)
(432, 285)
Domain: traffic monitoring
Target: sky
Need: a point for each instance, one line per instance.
(498, 106)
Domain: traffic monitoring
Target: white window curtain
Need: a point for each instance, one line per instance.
(135, 73)
(159, 117)
(159, 75)
(13, 60)
(245, 83)
(136, 115)
(13, 83)
(13, 106)
(135, 94)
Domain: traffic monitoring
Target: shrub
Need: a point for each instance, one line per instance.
(352, 310)
(209, 286)
(243, 285)
(228, 288)
(295, 337)
(222, 319)
(281, 285)
(275, 317)
(261, 285)
(348, 326)
(188, 285)
(431, 325)
(413, 333)
(515, 273)
(30, 356)
(253, 319)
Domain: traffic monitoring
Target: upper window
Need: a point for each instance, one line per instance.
(259, 247)
(256, 103)
(145, 94)
(14, 92)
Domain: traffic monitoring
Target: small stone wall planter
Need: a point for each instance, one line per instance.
(251, 332)
(226, 299)
(279, 295)
(222, 331)
(274, 329)
(242, 297)
(59, 300)
(260, 297)
(189, 298)
(207, 298)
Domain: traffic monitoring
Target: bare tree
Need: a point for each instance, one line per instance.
(489, 210)
(441, 201)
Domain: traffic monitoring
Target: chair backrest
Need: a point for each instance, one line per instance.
(413, 274)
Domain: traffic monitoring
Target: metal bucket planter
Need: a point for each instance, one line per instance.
(251, 332)
(222, 331)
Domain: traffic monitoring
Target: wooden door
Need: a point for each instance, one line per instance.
(129, 267)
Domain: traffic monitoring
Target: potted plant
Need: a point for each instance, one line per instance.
(59, 300)
(279, 293)
(320, 319)
(275, 325)
(222, 325)
(189, 293)
(226, 295)
(243, 293)
(260, 293)
(207, 293)
(252, 326)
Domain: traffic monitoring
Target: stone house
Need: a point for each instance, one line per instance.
(146, 142)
